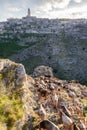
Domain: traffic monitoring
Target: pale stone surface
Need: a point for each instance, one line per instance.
(43, 70)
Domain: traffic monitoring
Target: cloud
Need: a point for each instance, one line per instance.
(78, 1)
(55, 3)
(60, 3)
(43, 8)
(62, 9)
(74, 12)
(51, 5)
(14, 9)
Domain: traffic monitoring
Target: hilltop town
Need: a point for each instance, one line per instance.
(31, 24)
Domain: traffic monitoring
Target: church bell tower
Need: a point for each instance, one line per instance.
(29, 12)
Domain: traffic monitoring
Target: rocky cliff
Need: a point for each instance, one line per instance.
(43, 101)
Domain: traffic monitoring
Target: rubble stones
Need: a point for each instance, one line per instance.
(68, 99)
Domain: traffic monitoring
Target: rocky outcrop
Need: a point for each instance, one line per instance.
(25, 101)
(15, 95)
(43, 70)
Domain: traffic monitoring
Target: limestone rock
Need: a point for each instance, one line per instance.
(16, 99)
(66, 120)
(48, 125)
(43, 70)
(42, 112)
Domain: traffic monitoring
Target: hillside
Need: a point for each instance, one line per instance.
(61, 44)
(25, 102)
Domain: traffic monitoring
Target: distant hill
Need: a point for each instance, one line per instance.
(61, 44)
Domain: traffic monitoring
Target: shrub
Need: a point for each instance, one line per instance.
(10, 110)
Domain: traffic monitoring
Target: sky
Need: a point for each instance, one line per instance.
(43, 8)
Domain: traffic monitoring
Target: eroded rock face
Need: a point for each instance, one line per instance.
(12, 72)
(15, 95)
(43, 70)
